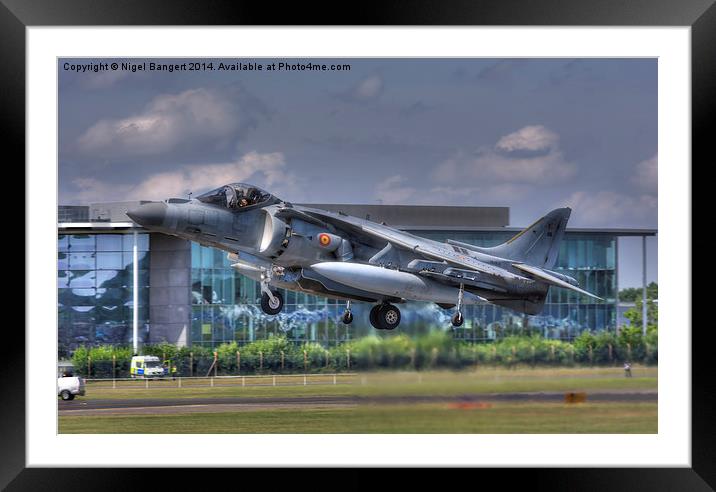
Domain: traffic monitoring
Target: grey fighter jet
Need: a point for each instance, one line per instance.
(334, 255)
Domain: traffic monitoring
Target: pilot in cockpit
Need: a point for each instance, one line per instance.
(231, 197)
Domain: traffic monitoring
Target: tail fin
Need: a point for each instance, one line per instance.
(538, 244)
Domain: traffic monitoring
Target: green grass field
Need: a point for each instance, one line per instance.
(538, 418)
(498, 417)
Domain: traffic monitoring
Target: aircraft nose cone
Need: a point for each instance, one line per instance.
(149, 214)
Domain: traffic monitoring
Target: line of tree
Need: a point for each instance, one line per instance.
(431, 351)
(632, 294)
(636, 295)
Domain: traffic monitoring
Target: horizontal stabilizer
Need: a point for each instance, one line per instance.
(551, 279)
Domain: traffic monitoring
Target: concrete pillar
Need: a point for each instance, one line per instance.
(169, 290)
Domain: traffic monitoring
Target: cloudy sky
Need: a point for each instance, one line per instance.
(530, 134)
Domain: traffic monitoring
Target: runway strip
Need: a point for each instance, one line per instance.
(190, 405)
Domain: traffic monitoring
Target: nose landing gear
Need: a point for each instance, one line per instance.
(385, 316)
(271, 300)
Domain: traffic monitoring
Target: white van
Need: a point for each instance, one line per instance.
(146, 366)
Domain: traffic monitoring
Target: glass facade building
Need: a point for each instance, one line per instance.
(189, 294)
(95, 288)
(225, 304)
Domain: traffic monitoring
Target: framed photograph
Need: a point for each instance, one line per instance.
(406, 154)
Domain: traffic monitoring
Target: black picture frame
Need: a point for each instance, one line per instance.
(700, 15)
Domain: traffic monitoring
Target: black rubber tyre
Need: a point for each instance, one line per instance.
(374, 318)
(388, 316)
(66, 395)
(271, 308)
(347, 318)
(457, 319)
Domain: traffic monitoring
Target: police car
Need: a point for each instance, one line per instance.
(146, 366)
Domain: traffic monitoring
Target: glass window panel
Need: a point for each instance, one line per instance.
(79, 331)
(196, 292)
(109, 242)
(611, 254)
(143, 278)
(195, 328)
(113, 297)
(109, 261)
(195, 255)
(63, 279)
(64, 298)
(110, 278)
(142, 257)
(81, 261)
(217, 287)
(82, 279)
(62, 261)
(142, 313)
(113, 313)
(82, 242)
(128, 242)
(84, 297)
(83, 314)
(228, 287)
(63, 242)
(207, 257)
(111, 332)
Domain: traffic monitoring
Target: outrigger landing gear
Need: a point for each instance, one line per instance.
(457, 319)
(347, 317)
(385, 316)
(271, 300)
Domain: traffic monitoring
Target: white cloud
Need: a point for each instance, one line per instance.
(366, 90)
(169, 120)
(530, 155)
(646, 175)
(265, 170)
(533, 138)
(392, 190)
(611, 209)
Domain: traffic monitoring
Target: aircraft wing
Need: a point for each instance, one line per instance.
(427, 249)
(439, 252)
(292, 213)
(550, 279)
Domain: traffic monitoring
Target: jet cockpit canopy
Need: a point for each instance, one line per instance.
(237, 196)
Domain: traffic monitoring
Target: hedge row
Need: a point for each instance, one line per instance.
(435, 350)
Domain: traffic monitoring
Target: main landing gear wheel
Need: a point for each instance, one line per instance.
(457, 319)
(374, 317)
(389, 316)
(385, 317)
(272, 306)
